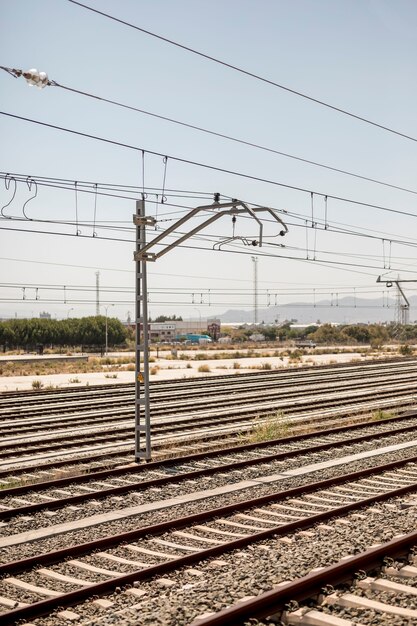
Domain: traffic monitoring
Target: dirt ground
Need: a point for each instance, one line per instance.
(169, 369)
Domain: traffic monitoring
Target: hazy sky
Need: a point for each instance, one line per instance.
(359, 56)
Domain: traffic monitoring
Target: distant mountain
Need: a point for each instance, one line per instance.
(347, 310)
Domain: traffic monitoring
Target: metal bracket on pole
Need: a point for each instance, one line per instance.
(142, 256)
(229, 208)
(144, 221)
(404, 309)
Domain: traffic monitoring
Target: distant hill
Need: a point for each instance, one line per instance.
(345, 310)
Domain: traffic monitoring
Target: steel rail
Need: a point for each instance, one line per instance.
(17, 433)
(192, 421)
(23, 424)
(213, 380)
(354, 409)
(34, 416)
(312, 584)
(53, 465)
(50, 558)
(29, 413)
(159, 482)
(43, 607)
(247, 447)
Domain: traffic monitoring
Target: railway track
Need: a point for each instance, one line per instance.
(59, 493)
(29, 454)
(184, 389)
(263, 392)
(8, 398)
(122, 564)
(184, 539)
(212, 421)
(389, 592)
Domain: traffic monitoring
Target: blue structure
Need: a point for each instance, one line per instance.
(194, 338)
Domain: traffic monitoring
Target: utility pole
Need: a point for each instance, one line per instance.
(106, 330)
(97, 293)
(142, 257)
(255, 289)
(142, 401)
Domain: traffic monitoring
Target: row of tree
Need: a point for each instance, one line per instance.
(375, 334)
(84, 331)
(91, 332)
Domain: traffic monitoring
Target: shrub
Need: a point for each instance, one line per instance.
(381, 415)
(37, 384)
(204, 368)
(406, 350)
(274, 427)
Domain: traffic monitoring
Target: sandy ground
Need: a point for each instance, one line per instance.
(171, 369)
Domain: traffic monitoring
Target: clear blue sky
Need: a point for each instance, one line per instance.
(360, 56)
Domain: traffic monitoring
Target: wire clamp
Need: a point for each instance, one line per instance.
(144, 221)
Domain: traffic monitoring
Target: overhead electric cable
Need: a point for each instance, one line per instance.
(259, 252)
(251, 144)
(107, 186)
(246, 72)
(208, 166)
(328, 226)
(87, 224)
(195, 276)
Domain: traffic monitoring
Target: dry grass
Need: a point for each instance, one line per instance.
(204, 368)
(41, 368)
(380, 415)
(273, 427)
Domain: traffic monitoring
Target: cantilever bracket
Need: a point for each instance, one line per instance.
(228, 208)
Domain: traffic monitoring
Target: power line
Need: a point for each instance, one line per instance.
(328, 226)
(197, 295)
(94, 188)
(247, 73)
(259, 252)
(210, 167)
(227, 137)
(218, 239)
(195, 276)
(68, 183)
(191, 304)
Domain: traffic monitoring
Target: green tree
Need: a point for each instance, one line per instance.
(357, 332)
(168, 318)
(328, 334)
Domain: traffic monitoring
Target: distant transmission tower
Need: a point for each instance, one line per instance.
(402, 309)
(402, 306)
(255, 288)
(398, 312)
(97, 293)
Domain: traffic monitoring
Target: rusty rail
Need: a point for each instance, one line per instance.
(123, 489)
(69, 599)
(310, 585)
